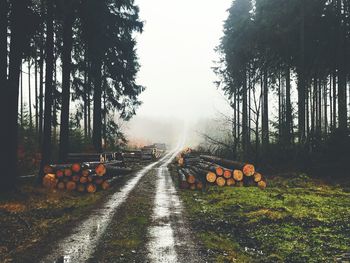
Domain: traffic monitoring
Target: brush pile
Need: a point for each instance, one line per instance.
(83, 177)
(197, 171)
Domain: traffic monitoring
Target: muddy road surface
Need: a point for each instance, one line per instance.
(143, 221)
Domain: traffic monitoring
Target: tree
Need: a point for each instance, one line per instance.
(66, 74)
(49, 51)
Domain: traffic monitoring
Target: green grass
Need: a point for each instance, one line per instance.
(293, 220)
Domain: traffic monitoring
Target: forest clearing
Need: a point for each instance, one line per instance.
(174, 131)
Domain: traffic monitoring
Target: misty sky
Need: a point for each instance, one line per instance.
(176, 53)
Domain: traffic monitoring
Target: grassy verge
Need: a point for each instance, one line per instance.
(33, 214)
(294, 220)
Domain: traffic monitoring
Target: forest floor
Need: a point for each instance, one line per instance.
(32, 216)
(296, 219)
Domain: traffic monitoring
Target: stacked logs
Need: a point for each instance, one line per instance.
(83, 177)
(198, 171)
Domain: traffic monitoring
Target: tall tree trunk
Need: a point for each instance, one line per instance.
(85, 95)
(289, 117)
(66, 71)
(3, 42)
(334, 101)
(21, 98)
(41, 91)
(30, 96)
(265, 114)
(342, 107)
(9, 105)
(36, 93)
(46, 145)
(301, 78)
(244, 117)
(97, 112)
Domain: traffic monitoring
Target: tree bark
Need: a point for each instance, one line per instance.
(265, 114)
(9, 110)
(342, 108)
(289, 117)
(30, 97)
(244, 117)
(97, 111)
(49, 48)
(66, 71)
(36, 93)
(3, 42)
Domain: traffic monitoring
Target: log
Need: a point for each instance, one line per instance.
(50, 181)
(247, 169)
(68, 172)
(227, 173)
(190, 177)
(76, 167)
(70, 186)
(105, 185)
(257, 177)
(105, 169)
(59, 173)
(211, 177)
(219, 171)
(91, 188)
(83, 179)
(220, 181)
(238, 175)
(230, 182)
(262, 185)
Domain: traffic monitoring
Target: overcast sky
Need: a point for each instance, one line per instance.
(176, 53)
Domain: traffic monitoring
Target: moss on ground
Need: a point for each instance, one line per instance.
(294, 220)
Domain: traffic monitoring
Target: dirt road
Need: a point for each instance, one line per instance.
(141, 222)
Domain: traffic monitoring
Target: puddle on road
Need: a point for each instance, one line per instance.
(79, 246)
(162, 241)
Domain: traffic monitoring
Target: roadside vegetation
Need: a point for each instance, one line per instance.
(296, 219)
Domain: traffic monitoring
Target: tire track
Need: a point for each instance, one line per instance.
(79, 246)
(169, 236)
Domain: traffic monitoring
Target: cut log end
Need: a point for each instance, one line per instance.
(257, 177)
(50, 181)
(227, 174)
(71, 186)
(219, 171)
(100, 169)
(248, 170)
(211, 177)
(238, 175)
(91, 188)
(76, 167)
(191, 179)
(262, 185)
(220, 181)
(230, 182)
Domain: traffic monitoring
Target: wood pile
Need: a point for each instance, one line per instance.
(83, 177)
(197, 171)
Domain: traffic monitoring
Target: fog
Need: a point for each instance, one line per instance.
(176, 53)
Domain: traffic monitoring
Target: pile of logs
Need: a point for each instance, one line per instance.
(83, 177)
(197, 171)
